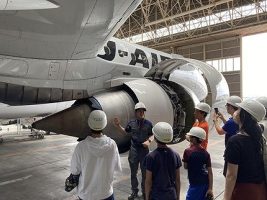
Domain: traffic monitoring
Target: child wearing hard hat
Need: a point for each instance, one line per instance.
(198, 163)
(95, 158)
(162, 166)
(201, 112)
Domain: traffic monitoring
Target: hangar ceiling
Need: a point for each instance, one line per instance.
(186, 22)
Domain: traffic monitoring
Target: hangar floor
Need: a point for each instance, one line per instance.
(36, 169)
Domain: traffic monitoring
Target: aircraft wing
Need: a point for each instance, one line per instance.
(27, 4)
(76, 29)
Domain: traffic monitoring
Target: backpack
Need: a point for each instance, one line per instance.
(264, 136)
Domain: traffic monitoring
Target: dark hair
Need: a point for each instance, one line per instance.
(198, 140)
(235, 108)
(96, 132)
(204, 113)
(159, 141)
(252, 128)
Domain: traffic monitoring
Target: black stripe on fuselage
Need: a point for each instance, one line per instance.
(13, 94)
(137, 57)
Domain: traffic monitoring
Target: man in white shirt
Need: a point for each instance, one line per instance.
(94, 161)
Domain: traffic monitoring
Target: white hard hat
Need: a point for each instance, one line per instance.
(253, 107)
(97, 120)
(163, 132)
(263, 101)
(197, 132)
(203, 107)
(234, 100)
(140, 105)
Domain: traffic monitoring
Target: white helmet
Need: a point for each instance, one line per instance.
(163, 132)
(263, 101)
(203, 107)
(140, 105)
(253, 107)
(234, 100)
(97, 120)
(197, 132)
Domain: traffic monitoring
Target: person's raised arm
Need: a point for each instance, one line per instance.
(220, 115)
(219, 130)
(117, 124)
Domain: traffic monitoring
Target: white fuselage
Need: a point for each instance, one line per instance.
(121, 60)
(62, 47)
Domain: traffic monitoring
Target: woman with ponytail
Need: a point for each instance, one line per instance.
(245, 179)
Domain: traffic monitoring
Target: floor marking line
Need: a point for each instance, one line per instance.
(15, 180)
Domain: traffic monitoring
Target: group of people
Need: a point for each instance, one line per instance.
(96, 158)
(244, 173)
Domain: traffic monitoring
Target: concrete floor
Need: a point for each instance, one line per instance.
(37, 169)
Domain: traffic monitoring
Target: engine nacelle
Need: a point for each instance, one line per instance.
(165, 101)
(169, 90)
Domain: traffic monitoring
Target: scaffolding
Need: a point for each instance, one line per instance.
(158, 23)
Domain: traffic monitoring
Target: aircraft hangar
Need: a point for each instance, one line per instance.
(207, 30)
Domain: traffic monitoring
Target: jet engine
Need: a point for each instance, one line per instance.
(166, 97)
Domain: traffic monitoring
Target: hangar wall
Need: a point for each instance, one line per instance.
(223, 54)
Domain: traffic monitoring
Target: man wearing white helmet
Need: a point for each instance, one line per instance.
(94, 161)
(245, 178)
(201, 112)
(198, 164)
(162, 167)
(140, 130)
(229, 128)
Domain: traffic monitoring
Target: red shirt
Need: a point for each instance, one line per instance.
(205, 126)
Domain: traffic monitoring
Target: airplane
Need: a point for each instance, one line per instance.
(64, 50)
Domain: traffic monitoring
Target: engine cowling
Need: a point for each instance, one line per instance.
(165, 101)
(166, 96)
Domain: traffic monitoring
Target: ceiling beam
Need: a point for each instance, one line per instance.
(213, 4)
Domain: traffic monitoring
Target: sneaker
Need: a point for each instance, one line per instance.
(133, 196)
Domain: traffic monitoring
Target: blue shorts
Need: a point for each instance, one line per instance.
(197, 192)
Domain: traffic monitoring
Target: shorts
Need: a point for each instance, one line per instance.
(197, 192)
